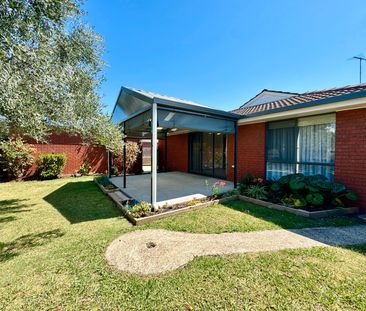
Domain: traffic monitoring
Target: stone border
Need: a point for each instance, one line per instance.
(317, 214)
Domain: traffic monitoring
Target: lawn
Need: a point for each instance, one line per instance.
(53, 235)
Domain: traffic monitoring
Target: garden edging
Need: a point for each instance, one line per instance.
(316, 214)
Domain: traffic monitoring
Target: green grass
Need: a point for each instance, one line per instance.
(53, 235)
(239, 216)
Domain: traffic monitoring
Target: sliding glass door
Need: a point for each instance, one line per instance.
(207, 154)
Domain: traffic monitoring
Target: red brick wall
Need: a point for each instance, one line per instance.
(251, 151)
(178, 153)
(75, 151)
(350, 160)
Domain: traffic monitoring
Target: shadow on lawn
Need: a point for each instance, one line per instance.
(82, 201)
(14, 206)
(25, 242)
(287, 220)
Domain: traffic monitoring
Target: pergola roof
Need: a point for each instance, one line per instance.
(133, 112)
(145, 114)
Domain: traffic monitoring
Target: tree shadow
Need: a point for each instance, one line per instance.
(361, 249)
(343, 231)
(4, 220)
(26, 242)
(82, 201)
(13, 206)
(287, 220)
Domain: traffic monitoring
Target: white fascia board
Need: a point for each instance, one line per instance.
(356, 103)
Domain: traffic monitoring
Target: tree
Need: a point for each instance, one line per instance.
(50, 71)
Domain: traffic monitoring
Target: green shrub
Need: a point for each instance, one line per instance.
(232, 192)
(140, 210)
(50, 165)
(256, 192)
(84, 168)
(315, 191)
(15, 158)
(132, 152)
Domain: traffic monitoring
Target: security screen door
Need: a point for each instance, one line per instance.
(207, 154)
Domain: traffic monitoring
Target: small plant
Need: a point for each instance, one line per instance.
(217, 188)
(232, 192)
(140, 210)
(15, 158)
(192, 202)
(84, 168)
(50, 165)
(256, 192)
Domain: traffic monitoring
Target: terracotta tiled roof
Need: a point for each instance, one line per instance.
(300, 99)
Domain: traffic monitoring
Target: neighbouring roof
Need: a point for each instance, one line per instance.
(299, 100)
(267, 96)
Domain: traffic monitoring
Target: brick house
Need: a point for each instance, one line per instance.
(276, 133)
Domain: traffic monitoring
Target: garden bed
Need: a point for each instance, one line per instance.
(166, 211)
(301, 212)
(105, 185)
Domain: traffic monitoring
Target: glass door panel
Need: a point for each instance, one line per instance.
(219, 156)
(207, 154)
(195, 153)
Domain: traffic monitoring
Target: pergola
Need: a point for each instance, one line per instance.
(146, 115)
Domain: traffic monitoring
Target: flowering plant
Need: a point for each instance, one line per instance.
(217, 187)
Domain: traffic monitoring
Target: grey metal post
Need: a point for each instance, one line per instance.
(166, 152)
(236, 156)
(154, 153)
(124, 155)
(109, 163)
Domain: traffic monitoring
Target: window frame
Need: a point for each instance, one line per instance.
(296, 163)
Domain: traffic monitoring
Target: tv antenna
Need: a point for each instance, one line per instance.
(360, 58)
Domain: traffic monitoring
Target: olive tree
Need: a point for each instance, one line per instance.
(50, 72)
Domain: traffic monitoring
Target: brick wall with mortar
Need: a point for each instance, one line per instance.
(76, 152)
(251, 151)
(350, 158)
(177, 152)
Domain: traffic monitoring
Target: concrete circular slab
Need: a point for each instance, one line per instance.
(156, 251)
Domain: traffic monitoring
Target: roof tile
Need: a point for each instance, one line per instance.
(301, 98)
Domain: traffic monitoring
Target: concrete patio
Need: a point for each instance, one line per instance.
(172, 187)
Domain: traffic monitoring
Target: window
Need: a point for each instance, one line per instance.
(305, 145)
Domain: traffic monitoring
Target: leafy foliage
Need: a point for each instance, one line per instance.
(314, 191)
(140, 210)
(249, 180)
(256, 192)
(15, 158)
(84, 168)
(50, 165)
(50, 70)
(132, 152)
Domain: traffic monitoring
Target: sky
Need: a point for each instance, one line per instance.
(222, 53)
